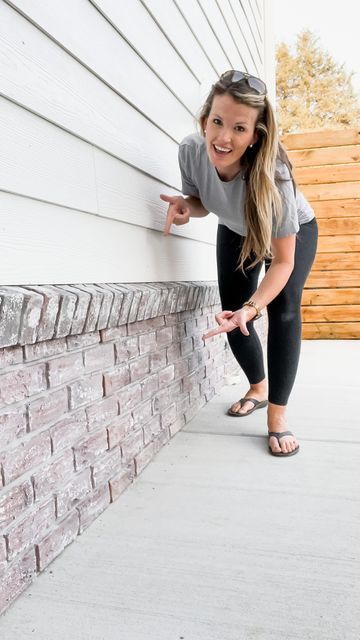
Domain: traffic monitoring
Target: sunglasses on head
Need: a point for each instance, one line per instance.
(233, 77)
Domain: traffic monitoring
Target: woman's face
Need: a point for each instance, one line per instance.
(230, 129)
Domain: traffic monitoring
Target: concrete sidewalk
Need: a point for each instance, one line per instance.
(218, 540)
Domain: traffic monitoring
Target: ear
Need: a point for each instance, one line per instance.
(204, 124)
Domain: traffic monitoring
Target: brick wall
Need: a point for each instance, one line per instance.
(94, 380)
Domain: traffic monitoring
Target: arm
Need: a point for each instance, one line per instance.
(196, 208)
(279, 272)
(274, 281)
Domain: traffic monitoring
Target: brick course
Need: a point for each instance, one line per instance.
(94, 380)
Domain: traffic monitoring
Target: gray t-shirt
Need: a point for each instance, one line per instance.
(226, 199)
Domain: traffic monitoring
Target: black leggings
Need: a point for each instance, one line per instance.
(284, 312)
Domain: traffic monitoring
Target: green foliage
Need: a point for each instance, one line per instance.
(313, 91)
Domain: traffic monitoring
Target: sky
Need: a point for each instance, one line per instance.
(337, 24)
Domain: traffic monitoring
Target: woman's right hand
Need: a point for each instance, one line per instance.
(230, 320)
(178, 211)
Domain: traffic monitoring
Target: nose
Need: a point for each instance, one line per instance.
(225, 136)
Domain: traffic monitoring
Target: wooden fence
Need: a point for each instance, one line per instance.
(327, 171)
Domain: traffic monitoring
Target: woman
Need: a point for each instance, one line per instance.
(238, 170)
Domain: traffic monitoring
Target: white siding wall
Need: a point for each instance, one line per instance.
(95, 96)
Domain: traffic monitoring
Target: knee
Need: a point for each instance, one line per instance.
(285, 314)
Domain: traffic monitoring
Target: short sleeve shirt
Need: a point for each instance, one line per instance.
(227, 199)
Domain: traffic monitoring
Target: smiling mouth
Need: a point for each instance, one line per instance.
(221, 151)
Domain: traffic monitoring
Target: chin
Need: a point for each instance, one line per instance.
(217, 161)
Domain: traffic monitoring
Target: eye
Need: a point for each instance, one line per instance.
(239, 128)
(216, 121)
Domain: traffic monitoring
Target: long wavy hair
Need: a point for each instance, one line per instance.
(263, 201)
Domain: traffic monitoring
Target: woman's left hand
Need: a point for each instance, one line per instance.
(230, 320)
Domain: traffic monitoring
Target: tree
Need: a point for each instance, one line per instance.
(313, 91)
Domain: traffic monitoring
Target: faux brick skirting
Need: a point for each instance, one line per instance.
(94, 380)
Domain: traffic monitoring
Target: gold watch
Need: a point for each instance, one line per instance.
(251, 303)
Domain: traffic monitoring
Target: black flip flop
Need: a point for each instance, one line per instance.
(257, 405)
(279, 435)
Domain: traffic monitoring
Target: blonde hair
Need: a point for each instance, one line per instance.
(263, 200)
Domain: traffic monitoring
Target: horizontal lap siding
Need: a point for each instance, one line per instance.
(97, 96)
(37, 233)
(327, 169)
(253, 40)
(170, 17)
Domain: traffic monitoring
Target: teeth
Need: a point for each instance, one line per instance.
(221, 149)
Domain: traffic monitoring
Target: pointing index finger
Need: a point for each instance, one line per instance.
(213, 332)
(166, 198)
